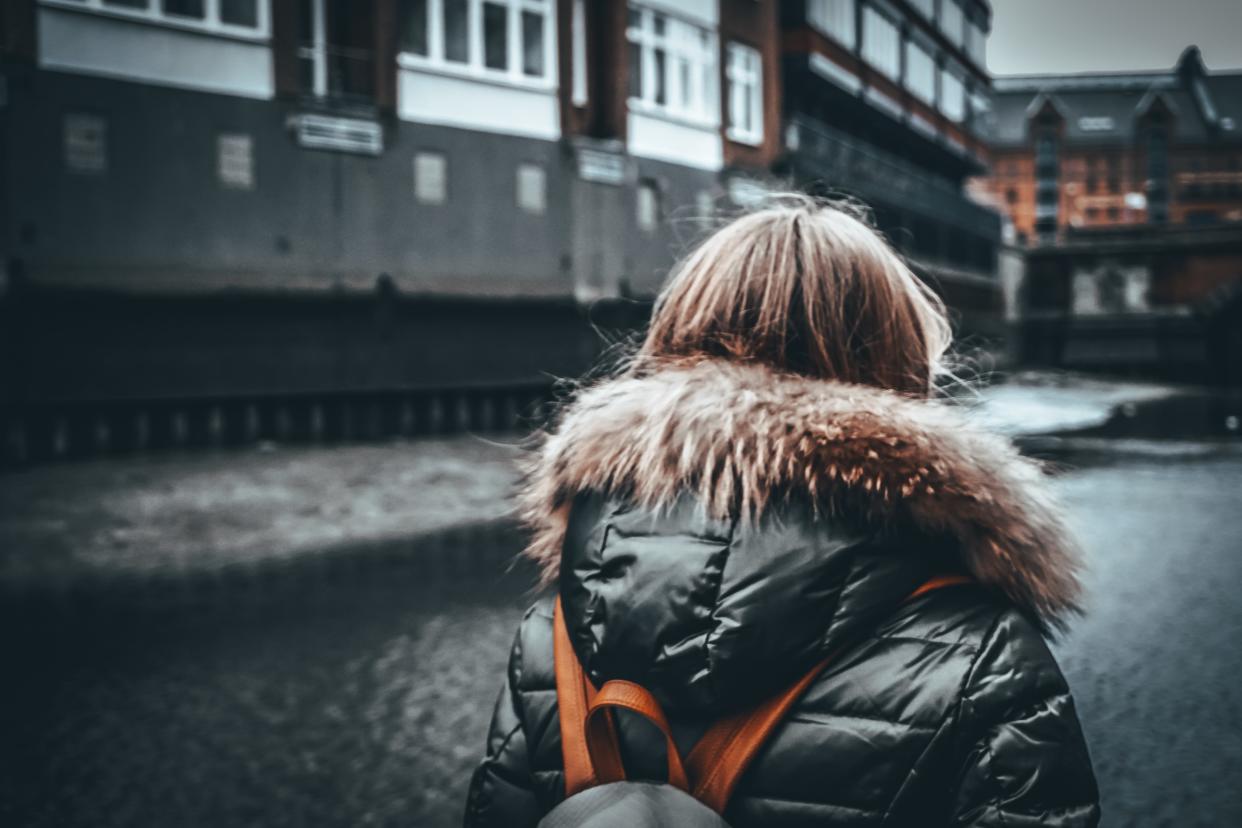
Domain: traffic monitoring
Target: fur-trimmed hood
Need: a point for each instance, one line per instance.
(739, 436)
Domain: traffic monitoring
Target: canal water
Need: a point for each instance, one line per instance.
(363, 698)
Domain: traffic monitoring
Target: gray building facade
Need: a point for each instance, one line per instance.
(277, 205)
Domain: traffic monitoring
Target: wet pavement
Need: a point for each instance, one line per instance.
(1156, 664)
(362, 701)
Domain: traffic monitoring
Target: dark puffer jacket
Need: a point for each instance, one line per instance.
(718, 529)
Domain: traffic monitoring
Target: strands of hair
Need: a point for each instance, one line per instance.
(806, 287)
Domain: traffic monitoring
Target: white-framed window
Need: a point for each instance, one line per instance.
(235, 161)
(952, 95)
(744, 73)
(86, 143)
(834, 18)
(976, 42)
(951, 20)
(532, 189)
(648, 205)
(673, 66)
(927, 8)
(250, 19)
(920, 72)
(430, 177)
(509, 40)
(881, 42)
(578, 93)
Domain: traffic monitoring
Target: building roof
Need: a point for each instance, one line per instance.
(1106, 107)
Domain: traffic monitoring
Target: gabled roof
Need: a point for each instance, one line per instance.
(1107, 107)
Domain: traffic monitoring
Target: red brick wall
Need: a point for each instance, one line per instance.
(757, 26)
(1094, 183)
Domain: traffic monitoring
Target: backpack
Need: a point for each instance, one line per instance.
(699, 787)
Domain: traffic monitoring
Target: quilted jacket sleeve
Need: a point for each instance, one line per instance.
(1025, 761)
(501, 789)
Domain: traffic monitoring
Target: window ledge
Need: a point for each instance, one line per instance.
(243, 34)
(418, 63)
(644, 108)
(749, 138)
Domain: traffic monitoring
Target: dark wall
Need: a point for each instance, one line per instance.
(158, 214)
(159, 220)
(152, 280)
(92, 347)
(682, 223)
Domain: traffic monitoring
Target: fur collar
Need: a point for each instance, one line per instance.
(738, 435)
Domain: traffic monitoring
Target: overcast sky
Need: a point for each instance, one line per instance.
(1036, 36)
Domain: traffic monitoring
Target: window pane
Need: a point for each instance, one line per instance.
(661, 89)
(739, 107)
(414, 27)
(636, 71)
(184, 8)
(708, 90)
(920, 72)
(744, 73)
(457, 31)
(240, 13)
(952, 96)
(684, 82)
(976, 42)
(834, 18)
(129, 4)
(495, 36)
(306, 22)
(306, 73)
(578, 93)
(951, 20)
(350, 37)
(648, 205)
(532, 44)
(881, 43)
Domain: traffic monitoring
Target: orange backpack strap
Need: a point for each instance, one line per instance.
(573, 696)
(720, 758)
(724, 753)
(589, 746)
(602, 738)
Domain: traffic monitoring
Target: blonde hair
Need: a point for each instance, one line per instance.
(806, 287)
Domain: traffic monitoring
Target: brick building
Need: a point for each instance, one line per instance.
(1112, 150)
(1126, 188)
